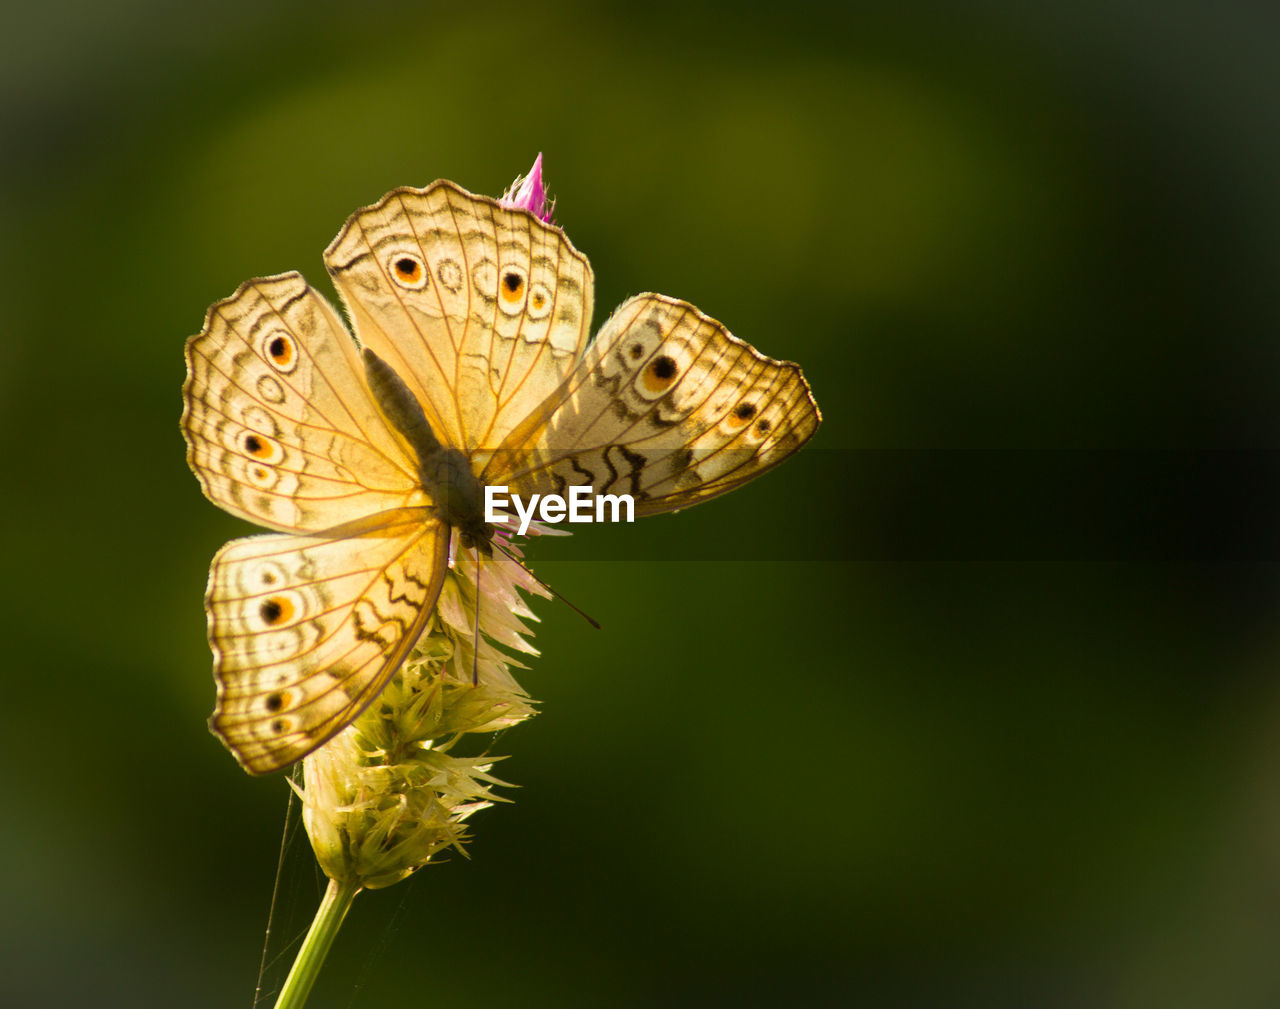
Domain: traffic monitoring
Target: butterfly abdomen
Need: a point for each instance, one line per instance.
(400, 406)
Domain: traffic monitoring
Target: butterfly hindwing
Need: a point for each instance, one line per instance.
(666, 405)
(280, 426)
(481, 309)
(307, 630)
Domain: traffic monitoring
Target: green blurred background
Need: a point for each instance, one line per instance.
(842, 740)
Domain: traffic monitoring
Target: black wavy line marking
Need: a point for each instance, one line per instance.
(636, 461)
(581, 470)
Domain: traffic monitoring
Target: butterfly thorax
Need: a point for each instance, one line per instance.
(444, 472)
(458, 496)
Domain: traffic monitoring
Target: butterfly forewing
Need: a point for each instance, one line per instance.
(280, 426)
(481, 309)
(307, 630)
(666, 405)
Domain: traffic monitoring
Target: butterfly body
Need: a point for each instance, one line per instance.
(472, 365)
(445, 473)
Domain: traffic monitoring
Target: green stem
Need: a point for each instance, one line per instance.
(315, 947)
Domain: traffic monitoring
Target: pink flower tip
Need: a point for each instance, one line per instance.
(529, 193)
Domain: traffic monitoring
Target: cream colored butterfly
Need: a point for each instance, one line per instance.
(474, 367)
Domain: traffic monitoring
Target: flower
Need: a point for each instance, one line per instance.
(529, 193)
(388, 793)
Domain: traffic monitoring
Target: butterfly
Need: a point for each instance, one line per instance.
(472, 366)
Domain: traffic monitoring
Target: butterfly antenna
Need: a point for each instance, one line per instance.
(475, 647)
(585, 616)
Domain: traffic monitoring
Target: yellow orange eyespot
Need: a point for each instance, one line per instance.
(660, 374)
(741, 414)
(276, 610)
(408, 271)
(257, 446)
(277, 701)
(539, 305)
(281, 350)
(512, 287)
